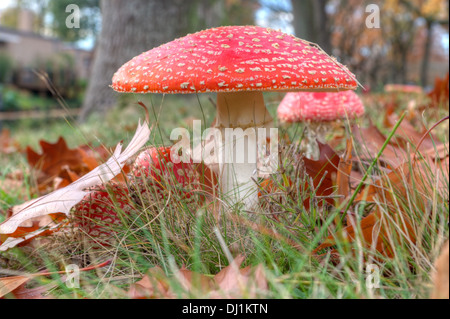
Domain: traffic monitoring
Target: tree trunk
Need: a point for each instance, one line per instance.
(322, 26)
(311, 22)
(304, 19)
(205, 14)
(426, 54)
(129, 28)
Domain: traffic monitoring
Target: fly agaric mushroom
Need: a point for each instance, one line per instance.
(96, 215)
(403, 88)
(239, 63)
(317, 110)
(156, 167)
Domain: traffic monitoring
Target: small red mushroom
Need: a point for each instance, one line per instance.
(317, 110)
(156, 167)
(320, 106)
(97, 214)
(403, 88)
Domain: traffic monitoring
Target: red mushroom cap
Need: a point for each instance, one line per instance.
(156, 166)
(96, 214)
(232, 59)
(320, 106)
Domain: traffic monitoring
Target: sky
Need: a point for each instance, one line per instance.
(6, 3)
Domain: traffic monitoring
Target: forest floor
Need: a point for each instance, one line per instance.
(313, 238)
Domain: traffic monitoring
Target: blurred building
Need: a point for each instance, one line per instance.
(29, 51)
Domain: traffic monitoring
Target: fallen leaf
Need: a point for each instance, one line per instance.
(344, 172)
(236, 282)
(391, 189)
(40, 292)
(7, 144)
(154, 285)
(208, 180)
(370, 140)
(374, 233)
(408, 134)
(15, 285)
(54, 159)
(441, 276)
(62, 200)
(231, 282)
(440, 93)
(323, 173)
(9, 284)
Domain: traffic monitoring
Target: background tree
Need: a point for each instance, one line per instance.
(311, 22)
(433, 12)
(239, 12)
(398, 30)
(89, 18)
(375, 55)
(129, 28)
(127, 32)
(361, 48)
(49, 18)
(205, 14)
(10, 17)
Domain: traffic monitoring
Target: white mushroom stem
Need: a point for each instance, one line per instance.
(239, 116)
